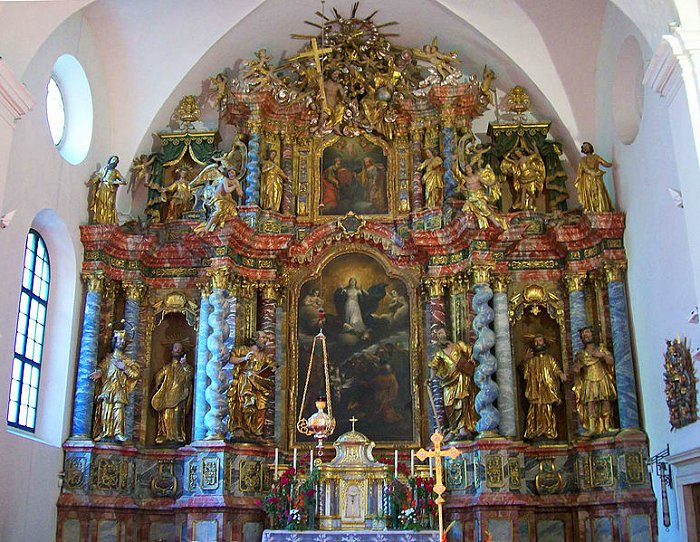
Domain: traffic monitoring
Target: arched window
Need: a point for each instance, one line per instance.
(29, 337)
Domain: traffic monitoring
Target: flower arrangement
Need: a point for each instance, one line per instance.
(289, 504)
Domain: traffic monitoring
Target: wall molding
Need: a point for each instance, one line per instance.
(15, 99)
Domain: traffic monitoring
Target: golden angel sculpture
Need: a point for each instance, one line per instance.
(117, 374)
(173, 396)
(543, 376)
(527, 171)
(105, 182)
(589, 184)
(453, 367)
(595, 385)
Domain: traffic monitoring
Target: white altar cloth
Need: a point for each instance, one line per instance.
(350, 536)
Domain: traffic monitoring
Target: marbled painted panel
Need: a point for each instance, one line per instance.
(252, 532)
(501, 530)
(108, 531)
(71, 530)
(550, 530)
(640, 528)
(602, 530)
(163, 531)
(204, 530)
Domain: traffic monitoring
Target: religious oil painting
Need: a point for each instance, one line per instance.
(353, 178)
(367, 326)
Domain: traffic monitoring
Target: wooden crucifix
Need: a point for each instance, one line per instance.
(316, 54)
(439, 487)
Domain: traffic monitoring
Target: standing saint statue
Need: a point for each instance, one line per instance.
(103, 203)
(251, 388)
(542, 391)
(589, 184)
(527, 171)
(433, 181)
(453, 366)
(179, 201)
(173, 396)
(118, 374)
(271, 186)
(595, 385)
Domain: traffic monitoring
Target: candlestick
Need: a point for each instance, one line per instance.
(311, 461)
(294, 462)
(396, 463)
(277, 461)
(430, 466)
(413, 463)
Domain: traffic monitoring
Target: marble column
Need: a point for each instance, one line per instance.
(268, 323)
(448, 151)
(489, 417)
(628, 408)
(87, 359)
(214, 393)
(201, 381)
(434, 320)
(287, 166)
(132, 318)
(417, 184)
(577, 308)
(504, 356)
(252, 189)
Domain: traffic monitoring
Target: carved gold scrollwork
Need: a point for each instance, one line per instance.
(494, 471)
(94, 280)
(134, 290)
(615, 271)
(575, 281)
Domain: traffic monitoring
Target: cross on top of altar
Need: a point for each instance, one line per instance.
(352, 421)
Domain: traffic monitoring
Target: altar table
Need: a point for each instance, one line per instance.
(350, 536)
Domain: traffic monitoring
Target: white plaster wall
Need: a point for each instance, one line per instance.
(660, 277)
(49, 194)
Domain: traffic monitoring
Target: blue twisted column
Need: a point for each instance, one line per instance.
(577, 308)
(448, 151)
(628, 408)
(132, 317)
(87, 359)
(200, 372)
(214, 393)
(504, 357)
(252, 189)
(489, 416)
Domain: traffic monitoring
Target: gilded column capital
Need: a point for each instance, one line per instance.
(575, 281)
(134, 290)
(615, 271)
(254, 125)
(95, 280)
(219, 278)
(499, 283)
(204, 285)
(481, 274)
(270, 290)
(248, 287)
(457, 284)
(416, 135)
(447, 117)
(435, 286)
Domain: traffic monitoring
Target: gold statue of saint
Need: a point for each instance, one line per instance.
(271, 186)
(527, 170)
(473, 184)
(181, 192)
(595, 385)
(118, 374)
(173, 396)
(106, 180)
(251, 388)
(433, 182)
(542, 376)
(589, 184)
(454, 367)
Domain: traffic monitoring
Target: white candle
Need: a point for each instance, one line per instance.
(413, 462)
(430, 466)
(277, 461)
(396, 463)
(311, 461)
(294, 462)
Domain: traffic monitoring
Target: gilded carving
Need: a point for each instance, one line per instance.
(681, 383)
(134, 290)
(602, 470)
(111, 474)
(634, 467)
(192, 475)
(251, 479)
(481, 274)
(455, 473)
(499, 283)
(94, 280)
(210, 473)
(548, 481)
(494, 471)
(575, 281)
(615, 271)
(75, 472)
(164, 482)
(514, 478)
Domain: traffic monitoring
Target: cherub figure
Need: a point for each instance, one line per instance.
(219, 84)
(257, 72)
(441, 61)
(487, 80)
(140, 172)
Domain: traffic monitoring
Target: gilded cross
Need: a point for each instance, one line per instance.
(439, 487)
(316, 54)
(352, 421)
